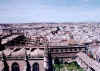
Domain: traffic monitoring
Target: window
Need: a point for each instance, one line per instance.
(51, 50)
(70, 49)
(35, 67)
(61, 50)
(15, 67)
(75, 49)
(57, 50)
(66, 49)
(80, 49)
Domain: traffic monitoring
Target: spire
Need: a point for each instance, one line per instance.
(27, 67)
(6, 67)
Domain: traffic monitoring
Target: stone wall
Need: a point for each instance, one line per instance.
(22, 63)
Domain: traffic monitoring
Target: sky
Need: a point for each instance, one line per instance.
(27, 11)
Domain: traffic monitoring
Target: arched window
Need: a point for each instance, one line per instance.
(56, 60)
(35, 67)
(15, 67)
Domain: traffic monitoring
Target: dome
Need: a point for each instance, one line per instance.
(37, 53)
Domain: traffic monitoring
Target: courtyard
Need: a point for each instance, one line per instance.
(73, 66)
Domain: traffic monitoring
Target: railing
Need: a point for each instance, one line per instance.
(22, 58)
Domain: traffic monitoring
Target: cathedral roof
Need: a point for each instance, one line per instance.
(37, 53)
